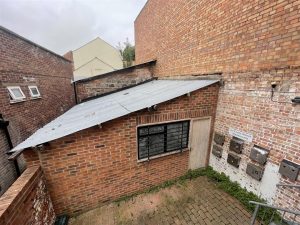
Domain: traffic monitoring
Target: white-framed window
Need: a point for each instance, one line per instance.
(34, 91)
(16, 93)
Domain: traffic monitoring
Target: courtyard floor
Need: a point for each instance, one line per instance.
(197, 201)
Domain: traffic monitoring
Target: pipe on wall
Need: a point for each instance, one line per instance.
(4, 125)
(75, 92)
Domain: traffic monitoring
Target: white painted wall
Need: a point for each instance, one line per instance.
(266, 188)
(92, 68)
(95, 58)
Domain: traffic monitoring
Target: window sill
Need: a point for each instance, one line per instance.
(34, 98)
(162, 155)
(16, 101)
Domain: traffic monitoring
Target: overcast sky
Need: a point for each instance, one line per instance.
(63, 25)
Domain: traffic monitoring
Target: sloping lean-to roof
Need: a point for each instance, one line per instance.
(109, 107)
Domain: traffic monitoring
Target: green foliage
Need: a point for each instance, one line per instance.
(127, 51)
(234, 189)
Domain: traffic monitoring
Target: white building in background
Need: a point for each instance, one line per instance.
(94, 58)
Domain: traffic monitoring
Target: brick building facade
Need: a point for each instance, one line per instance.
(27, 202)
(24, 64)
(106, 83)
(253, 44)
(101, 164)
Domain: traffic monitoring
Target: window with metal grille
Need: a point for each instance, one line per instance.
(162, 138)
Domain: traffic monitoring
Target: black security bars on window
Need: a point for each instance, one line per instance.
(162, 138)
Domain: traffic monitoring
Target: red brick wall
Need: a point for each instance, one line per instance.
(7, 169)
(27, 202)
(204, 36)
(245, 104)
(113, 81)
(97, 165)
(253, 43)
(69, 56)
(23, 64)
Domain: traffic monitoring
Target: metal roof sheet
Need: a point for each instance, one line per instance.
(112, 106)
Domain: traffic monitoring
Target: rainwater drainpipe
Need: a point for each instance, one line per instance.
(75, 92)
(3, 125)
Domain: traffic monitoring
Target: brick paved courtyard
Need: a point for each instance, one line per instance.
(194, 202)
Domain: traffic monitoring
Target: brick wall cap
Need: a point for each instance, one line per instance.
(15, 192)
(149, 63)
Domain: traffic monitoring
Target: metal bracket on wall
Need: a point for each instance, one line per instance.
(236, 145)
(289, 169)
(259, 154)
(233, 160)
(254, 171)
(217, 151)
(219, 139)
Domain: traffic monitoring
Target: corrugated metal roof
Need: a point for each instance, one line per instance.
(112, 106)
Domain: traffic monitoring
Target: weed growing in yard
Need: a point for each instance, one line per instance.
(234, 189)
(224, 183)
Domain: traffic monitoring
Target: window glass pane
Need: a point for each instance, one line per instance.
(34, 91)
(177, 136)
(184, 141)
(174, 134)
(143, 131)
(186, 125)
(156, 144)
(17, 92)
(174, 128)
(159, 139)
(143, 147)
(185, 135)
(156, 129)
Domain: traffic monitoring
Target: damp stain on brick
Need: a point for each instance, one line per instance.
(69, 141)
